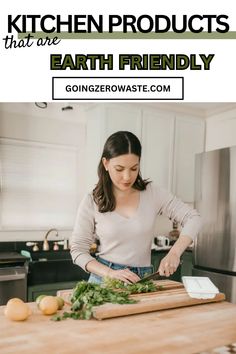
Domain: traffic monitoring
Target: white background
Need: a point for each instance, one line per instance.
(25, 73)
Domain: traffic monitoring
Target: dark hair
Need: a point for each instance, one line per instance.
(119, 143)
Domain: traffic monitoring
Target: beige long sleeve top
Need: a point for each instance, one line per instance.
(128, 240)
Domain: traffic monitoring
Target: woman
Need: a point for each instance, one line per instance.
(121, 212)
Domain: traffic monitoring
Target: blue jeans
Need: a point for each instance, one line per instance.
(140, 271)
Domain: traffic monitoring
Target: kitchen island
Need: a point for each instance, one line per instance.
(193, 329)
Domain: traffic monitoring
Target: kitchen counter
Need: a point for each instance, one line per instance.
(181, 331)
(167, 248)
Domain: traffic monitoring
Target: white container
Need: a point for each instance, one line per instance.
(200, 287)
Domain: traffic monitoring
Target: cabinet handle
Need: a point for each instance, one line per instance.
(12, 277)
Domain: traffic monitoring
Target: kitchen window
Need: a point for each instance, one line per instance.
(39, 185)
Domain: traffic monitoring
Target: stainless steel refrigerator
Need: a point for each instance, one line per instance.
(215, 199)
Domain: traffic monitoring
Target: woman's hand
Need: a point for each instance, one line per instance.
(123, 274)
(169, 264)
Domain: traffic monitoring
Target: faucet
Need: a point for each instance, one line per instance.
(45, 242)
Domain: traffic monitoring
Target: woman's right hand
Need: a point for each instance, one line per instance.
(123, 274)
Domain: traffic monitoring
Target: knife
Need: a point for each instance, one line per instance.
(153, 276)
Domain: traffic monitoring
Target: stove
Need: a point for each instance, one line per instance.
(13, 276)
(11, 257)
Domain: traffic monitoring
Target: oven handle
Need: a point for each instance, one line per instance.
(12, 277)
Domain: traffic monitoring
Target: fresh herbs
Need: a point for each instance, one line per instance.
(135, 288)
(86, 295)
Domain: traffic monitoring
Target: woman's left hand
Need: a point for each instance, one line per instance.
(169, 264)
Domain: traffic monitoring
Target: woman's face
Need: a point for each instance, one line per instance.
(123, 170)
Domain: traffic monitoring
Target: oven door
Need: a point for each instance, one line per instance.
(13, 283)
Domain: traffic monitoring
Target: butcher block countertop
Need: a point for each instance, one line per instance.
(192, 329)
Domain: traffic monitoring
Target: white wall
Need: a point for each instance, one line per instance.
(30, 126)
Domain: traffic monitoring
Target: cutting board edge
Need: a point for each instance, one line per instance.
(98, 313)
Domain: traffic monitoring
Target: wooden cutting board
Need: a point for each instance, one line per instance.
(171, 295)
(164, 284)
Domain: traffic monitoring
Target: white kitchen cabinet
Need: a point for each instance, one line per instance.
(102, 121)
(158, 144)
(122, 117)
(93, 147)
(221, 130)
(169, 142)
(189, 140)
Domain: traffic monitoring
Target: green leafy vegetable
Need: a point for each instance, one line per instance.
(86, 295)
(135, 288)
